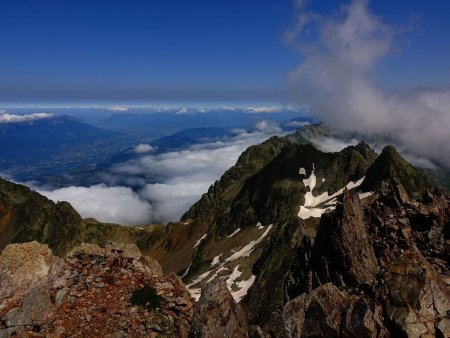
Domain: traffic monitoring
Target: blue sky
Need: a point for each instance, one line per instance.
(224, 50)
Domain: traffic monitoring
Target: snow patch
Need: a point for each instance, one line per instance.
(215, 260)
(234, 233)
(241, 286)
(195, 292)
(185, 273)
(199, 240)
(248, 249)
(309, 209)
(305, 213)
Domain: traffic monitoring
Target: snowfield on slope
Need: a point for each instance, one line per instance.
(310, 207)
(228, 270)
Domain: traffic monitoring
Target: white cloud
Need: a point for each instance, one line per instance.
(337, 79)
(183, 176)
(107, 204)
(329, 144)
(182, 111)
(203, 110)
(298, 124)
(10, 118)
(144, 148)
(170, 200)
(269, 127)
(238, 131)
(118, 108)
(259, 110)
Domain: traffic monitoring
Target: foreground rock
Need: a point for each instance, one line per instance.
(93, 292)
(329, 312)
(217, 314)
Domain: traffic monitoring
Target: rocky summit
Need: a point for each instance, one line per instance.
(92, 292)
(290, 242)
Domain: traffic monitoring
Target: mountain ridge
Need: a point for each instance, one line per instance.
(363, 227)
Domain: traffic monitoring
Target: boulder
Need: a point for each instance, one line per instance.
(317, 314)
(330, 312)
(416, 298)
(23, 266)
(217, 314)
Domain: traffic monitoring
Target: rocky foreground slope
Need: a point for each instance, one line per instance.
(374, 268)
(290, 242)
(105, 292)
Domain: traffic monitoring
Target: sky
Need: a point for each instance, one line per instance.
(198, 50)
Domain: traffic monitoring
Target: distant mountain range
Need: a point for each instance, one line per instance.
(62, 150)
(54, 145)
(161, 124)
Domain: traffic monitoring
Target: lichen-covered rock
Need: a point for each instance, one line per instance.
(416, 298)
(23, 266)
(364, 319)
(96, 292)
(318, 314)
(217, 314)
(330, 312)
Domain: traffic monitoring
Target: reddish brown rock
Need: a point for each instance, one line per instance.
(329, 312)
(416, 298)
(217, 314)
(318, 314)
(112, 291)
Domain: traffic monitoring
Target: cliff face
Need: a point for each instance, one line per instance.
(26, 216)
(297, 182)
(375, 267)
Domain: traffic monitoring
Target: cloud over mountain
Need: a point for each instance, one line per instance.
(10, 118)
(108, 204)
(165, 185)
(337, 79)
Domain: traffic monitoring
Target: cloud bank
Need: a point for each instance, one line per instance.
(108, 204)
(181, 177)
(337, 80)
(144, 148)
(165, 185)
(10, 118)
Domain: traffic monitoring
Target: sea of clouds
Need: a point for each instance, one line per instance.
(178, 179)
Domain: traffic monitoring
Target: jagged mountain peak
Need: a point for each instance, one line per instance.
(391, 167)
